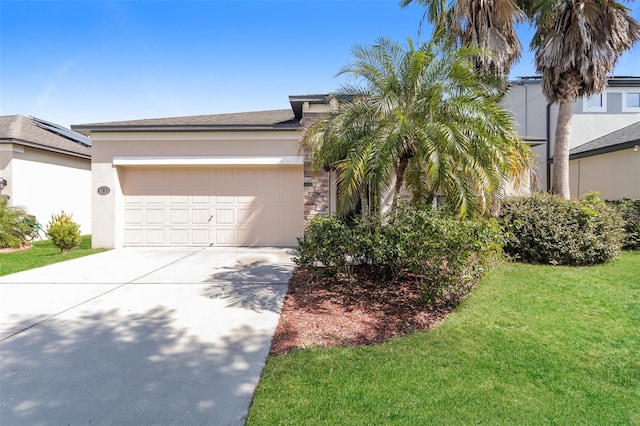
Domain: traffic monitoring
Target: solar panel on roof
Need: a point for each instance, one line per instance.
(62, 131)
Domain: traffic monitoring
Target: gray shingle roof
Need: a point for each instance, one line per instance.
(27, 131)
(624, 138)
(275, 119)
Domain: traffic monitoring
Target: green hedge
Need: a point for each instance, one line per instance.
(630, 212)
(544, 228)
(446, 256)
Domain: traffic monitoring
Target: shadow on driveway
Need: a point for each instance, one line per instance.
(111, 367)
(253, 283)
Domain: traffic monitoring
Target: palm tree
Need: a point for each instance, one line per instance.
(485, 24)
(12, 228)
(420, 118)
(577, 43)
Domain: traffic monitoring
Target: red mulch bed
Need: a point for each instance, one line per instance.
(324, 312)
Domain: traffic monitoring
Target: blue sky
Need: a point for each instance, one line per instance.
(74, 62)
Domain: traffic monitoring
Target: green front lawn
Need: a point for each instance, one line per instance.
(531, 345)
(42, 253)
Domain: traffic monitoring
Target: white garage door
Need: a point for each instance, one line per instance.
(221, 206)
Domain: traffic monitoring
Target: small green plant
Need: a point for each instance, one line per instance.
(64, 232)
(545, 228)
(12, 227)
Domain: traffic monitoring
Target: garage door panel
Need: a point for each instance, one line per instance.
(133, 237)
(154, 236)
(225, 216)
(212, 206)
(224, 237)
(179, 216)
(154, 199)
(201, 236)
(270, 177)
(179, 199)
(291, 217)
(290, 197)
(154, 216)
(245, 177)
(221, 177)
(177, 177)
(200, 199)
(134, 199)
(179, 236)
(197, 176)
(152, 177)
(246, 216)
(133, 216)
(200, 216)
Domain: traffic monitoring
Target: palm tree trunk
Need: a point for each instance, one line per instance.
(364, 200)
(401, 169)
(561, 150)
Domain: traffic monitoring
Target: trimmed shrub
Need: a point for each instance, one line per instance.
(545, 228)
(12, 227)
(446, 256)
(323, 246)
(630, 212)
(64, 232)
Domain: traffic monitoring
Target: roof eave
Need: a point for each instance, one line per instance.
(605, 150)
(181, 128)
(615, 81)
(45, 147)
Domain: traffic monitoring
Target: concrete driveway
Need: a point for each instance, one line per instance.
(170, 336)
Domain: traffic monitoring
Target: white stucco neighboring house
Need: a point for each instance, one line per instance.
(596, 117)
(47, 169)
(212, 180)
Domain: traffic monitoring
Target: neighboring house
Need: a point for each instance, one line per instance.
(609, 164)
(595, 117)
(212, 180)
(47, 169)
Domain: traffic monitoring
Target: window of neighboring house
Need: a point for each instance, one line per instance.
(595, 103)
(631, 102)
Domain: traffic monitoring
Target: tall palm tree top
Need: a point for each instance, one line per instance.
(486, 24)
(578, 42)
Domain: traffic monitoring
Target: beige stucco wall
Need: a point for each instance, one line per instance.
(45, 183)
(614, 175)
(107, 218)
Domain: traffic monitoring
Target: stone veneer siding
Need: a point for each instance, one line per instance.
(316, 188)
(316, 191)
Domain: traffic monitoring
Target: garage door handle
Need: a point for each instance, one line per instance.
(210, 217)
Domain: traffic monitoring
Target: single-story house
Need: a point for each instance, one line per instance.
(45, 169)
(212, 180)
(609, 165)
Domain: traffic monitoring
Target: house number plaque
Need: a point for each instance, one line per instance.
(104, 190)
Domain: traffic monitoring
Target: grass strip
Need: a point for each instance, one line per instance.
(42, 253)
(533, 344)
